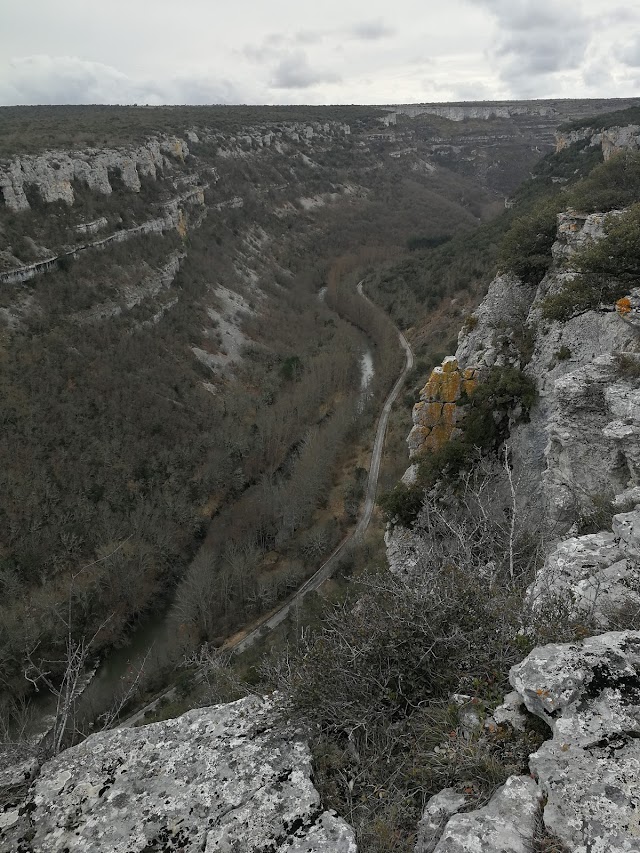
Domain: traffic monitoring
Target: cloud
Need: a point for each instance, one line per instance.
(44, 79)
(309, 36)
(630, 53)
(371, 30)
(294, 72)
(537, 38)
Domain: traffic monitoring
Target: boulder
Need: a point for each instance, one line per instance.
(505, 825)
(224, 778)
(436, 813)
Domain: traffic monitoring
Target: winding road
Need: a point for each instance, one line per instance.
(327, 568)
(242, 641)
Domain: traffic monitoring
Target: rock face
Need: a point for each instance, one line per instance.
(436, 414)
(216, 779)
(612, 140)
(580, 443)
(589, 694)
(52, 174)
(594, 574)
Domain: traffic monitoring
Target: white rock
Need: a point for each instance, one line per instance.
(434, 817)
(216, 779)
(589, 694)
(505, 825)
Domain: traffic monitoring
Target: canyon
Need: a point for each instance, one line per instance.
(215, 230)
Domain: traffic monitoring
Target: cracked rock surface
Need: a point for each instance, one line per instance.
(589, 694)
(218, 779)
(504, 825)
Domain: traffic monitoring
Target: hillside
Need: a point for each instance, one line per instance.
(180, 394)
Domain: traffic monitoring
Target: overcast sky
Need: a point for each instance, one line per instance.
(330, 51)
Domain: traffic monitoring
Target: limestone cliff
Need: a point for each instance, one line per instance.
(612, 140)
(579, 450)
(579, 442)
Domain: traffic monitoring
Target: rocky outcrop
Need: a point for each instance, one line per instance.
(216, 779)
(505, 825)
(461, 112)
(487, 337)
(595, 575)
(53, 173)
(576, 230)
(589, 695)
(584, 792)
(580, 442)
(612, 140)
(438, 411)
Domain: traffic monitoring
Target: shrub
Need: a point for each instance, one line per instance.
(402, 504)
(628, 366)
(606, 270)
(609, 185)
(526, 247)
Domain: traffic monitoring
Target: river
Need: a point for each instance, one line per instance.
(151, 644)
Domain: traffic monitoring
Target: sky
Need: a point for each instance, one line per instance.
(330, 51)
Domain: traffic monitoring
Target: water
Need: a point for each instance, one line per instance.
(367, 373)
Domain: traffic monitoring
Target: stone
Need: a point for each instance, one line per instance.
(437, 412)
(505, 825)
(589, 695)
(216, 779)
(510, 711)
(506, 304)
(593, 574)
(626, 527)
(434, 817)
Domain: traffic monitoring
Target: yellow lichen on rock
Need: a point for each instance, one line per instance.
(436, 414)
(181, 226)
(623, 306)
(449, 414)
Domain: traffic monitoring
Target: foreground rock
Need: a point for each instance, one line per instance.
(596, 576)
(216, 779)
(505, 825)
(589, 694)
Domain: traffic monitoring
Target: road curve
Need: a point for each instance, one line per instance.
(240, 643)
(329, 565)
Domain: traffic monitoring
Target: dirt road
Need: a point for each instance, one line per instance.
(241, 641)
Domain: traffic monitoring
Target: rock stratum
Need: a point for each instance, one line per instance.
(225, 778)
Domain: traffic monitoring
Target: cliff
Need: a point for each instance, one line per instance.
(576, 464)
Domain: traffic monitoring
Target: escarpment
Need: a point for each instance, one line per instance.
(574, 461)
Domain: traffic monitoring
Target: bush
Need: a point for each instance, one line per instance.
(610, 185)
(563, 354)
(628, 366)
(606, 270)
(373, 682)
(526, 247)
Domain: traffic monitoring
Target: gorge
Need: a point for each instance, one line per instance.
(199, 459)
